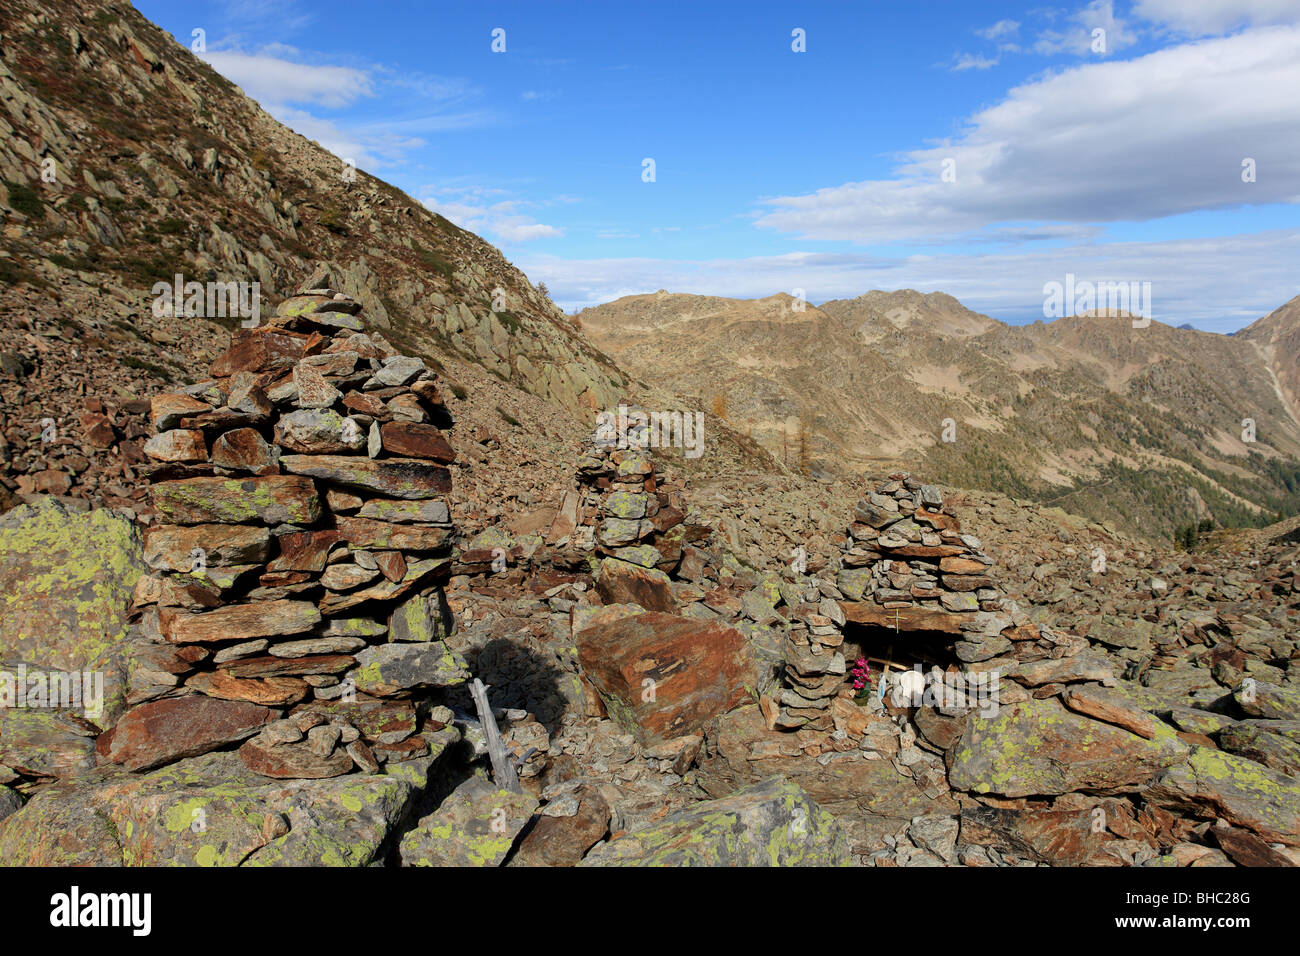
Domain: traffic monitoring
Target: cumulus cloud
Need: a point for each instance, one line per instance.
(1155, 136)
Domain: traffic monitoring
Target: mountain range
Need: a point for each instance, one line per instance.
(1152, 426)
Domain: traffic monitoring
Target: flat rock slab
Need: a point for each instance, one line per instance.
(173, 547)
(268, 499)
(407, 478)
(475, 826)
(269, 691)
(1038, 747)
(162, 731)
(770, 823)
(238, 622)
(414, 440)
(292, 760)
(388, 669)
(367, 533)
(907, 618)
(663, 676)
(1272, 701)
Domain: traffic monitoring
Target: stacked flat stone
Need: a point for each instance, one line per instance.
(814, 668)
(908, 552)
(908, 566)
(631, 525)
(299, 547)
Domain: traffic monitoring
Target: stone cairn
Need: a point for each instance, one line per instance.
(907, 566)
(299, 547)
(623, 510)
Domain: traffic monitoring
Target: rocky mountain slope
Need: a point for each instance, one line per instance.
(1142, 425)
(125, 160)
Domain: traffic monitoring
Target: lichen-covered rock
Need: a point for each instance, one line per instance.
(66, 583)
(475, 826)
(771, 823)
(1038, 747)
(388, 669)
(161, 731)
(271, 499)
(1226, 786)
(42, 741)
(212, 811)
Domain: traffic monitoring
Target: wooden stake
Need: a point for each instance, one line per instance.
(503, 768)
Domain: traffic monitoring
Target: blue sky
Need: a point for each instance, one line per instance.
(980, 149)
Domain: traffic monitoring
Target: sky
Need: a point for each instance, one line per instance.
(821, 149)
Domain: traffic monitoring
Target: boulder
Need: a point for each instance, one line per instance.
(770, 823)
(621, 582)
(475, 826)
(1226, 786)
(66, 585)
(1038, 747)
(662, 676)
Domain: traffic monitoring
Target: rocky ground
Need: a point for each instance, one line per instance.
(666, 643)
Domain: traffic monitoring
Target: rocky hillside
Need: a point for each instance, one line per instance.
(125, 160)
(1140, 425)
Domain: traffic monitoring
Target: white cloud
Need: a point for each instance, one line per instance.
(1000, 30)
(1213, 17)
(1078, 37)
(501, 220)
(1112, 141)
(968, 61)
(1219, 284)
(273, 79)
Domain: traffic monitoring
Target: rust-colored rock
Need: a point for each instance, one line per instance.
(161, 731)
(244, 449)
(621, 582)
(366, 533)
(414, 440)
(663, 676)
(292, 761)
(258, 350)
(271, 692)
(238, 622)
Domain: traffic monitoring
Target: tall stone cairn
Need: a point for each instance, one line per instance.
(300, 543)
(907, 565)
